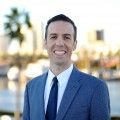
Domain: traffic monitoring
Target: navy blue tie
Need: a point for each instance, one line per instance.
(52, 102)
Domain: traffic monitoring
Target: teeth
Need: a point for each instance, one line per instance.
(60, 52)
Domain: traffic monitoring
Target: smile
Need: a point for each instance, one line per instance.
(59, 52)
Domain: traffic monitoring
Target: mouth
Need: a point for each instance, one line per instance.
(60, 52)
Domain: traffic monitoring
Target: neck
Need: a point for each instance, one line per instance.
(57, 69)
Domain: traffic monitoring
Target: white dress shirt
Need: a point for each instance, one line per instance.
(62, 82)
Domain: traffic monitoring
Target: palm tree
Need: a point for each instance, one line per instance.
(14, 22)
(13, 27)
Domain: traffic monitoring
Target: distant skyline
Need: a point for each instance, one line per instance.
(87, 14)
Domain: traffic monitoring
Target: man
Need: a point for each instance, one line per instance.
(79, 96)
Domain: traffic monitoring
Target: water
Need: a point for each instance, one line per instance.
(8, 98)
(114, 91)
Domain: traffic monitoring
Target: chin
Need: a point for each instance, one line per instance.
(61, 63)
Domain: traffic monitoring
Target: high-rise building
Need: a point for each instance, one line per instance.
(33, 43)
(4, 43)
(96, 36)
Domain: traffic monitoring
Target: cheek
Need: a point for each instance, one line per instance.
(50, 49)
(70, 50)
(71, 47)
(48, 45)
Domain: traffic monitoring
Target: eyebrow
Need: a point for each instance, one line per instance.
(52, 34)
(67, 34)
(63, 34)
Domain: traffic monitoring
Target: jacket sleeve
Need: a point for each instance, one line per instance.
(100, 103)
(26, 108)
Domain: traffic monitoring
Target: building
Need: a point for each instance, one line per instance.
(4, 43)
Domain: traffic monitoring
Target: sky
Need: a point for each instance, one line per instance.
(87, 14)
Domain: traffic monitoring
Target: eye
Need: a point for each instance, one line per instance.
(67, 37)
(53, 37)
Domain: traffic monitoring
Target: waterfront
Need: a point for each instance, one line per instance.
(114, 90)
(8, 99)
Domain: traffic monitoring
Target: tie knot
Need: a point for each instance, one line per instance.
(55, 80)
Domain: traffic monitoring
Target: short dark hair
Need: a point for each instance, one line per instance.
(61, 17)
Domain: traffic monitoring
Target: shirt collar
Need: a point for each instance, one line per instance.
(50, 77)
(62, 77)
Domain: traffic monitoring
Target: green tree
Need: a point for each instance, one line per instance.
(13, 29)
(14, 22)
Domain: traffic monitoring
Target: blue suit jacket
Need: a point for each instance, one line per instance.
(85, 98)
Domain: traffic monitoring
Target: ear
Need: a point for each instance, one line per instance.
(74, 45)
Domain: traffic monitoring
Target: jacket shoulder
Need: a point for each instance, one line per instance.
(37, 80)
(90, 79)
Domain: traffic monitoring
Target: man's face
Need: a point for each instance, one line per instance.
(60, 42)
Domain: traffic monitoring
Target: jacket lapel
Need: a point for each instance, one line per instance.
(73, 86)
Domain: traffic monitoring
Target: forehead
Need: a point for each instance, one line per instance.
(60, 27)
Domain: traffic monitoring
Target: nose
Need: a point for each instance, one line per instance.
(59, 41)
